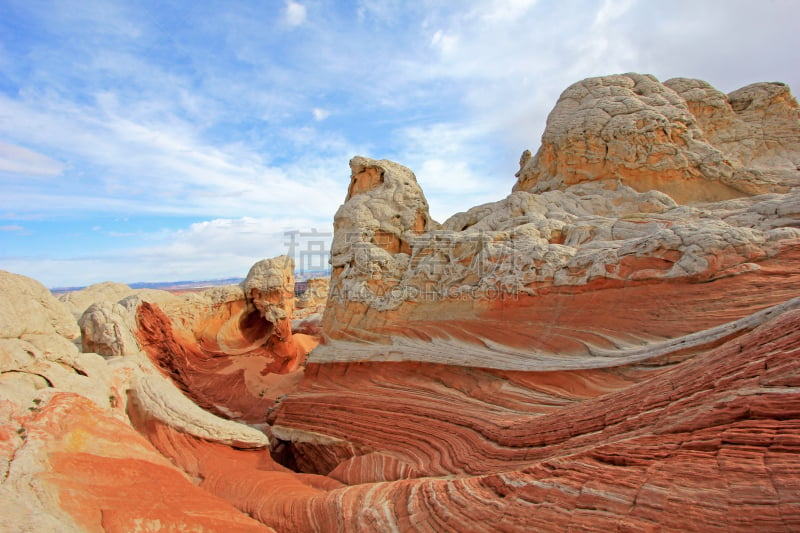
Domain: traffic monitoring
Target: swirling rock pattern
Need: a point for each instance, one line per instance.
(709, 444)
(231, 348)
(612, 347)
(69, 457)
(596, 351)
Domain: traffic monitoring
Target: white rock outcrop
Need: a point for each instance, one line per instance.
(682, 137)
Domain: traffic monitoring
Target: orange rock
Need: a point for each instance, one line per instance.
(706, 444)
(108, 478)
(583, 354)
(228, 386)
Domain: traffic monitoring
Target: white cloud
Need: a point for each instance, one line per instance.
(612, 10)
(20, 160)
(507, 10)
(380, 10)
(320, 114)
(212, 249)
(295, 13)
(13, 227)
(454, 166)
(447, 44)
(160, 165)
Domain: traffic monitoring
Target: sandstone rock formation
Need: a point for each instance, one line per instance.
(682, 137)
(309, 307)
(500, 255)
(65, 436)
(598, 350)
(214, 345)
(708, 445)
(78, 301)
(614, 346)
(313, 298)
(231, 349)
(755, 126)
(270, 287)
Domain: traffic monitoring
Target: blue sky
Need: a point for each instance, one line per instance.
(158, 141)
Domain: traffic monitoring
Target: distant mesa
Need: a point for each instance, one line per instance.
(612, 346)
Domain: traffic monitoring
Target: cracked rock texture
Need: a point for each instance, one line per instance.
(682, 137)
(590, 235)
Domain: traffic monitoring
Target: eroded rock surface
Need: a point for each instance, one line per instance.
(709, 444)
(78, 301)
(597, 350)
(592, 235)
(614, 346)
(231, 348)
(66, 439)
(682, 137)
(313, 299)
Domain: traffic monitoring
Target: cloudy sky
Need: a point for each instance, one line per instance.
(160, 141)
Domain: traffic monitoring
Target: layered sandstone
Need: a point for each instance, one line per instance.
(599, 350)
(614, 346)
(231, 348)
(589, 211)
(65, 437)
(500, 255)
(709, 445)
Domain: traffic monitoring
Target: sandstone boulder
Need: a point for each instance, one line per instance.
(107, 327)
(385, 210)
(36, 348)
(28, 308)
(78, 301)
(270, 287)
(682, 137)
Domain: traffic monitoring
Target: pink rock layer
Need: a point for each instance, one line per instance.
(569, 319)
(709, 444)
(240, 386)
(641, 374)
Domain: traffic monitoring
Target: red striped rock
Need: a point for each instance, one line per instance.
(231, 349)
(709, 444)
(69, 458)
(592, 355)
